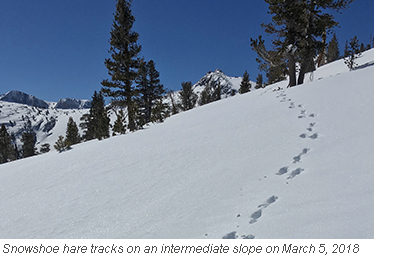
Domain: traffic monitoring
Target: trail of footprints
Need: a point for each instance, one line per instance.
(285, 170)
(253, 218)
(309, 134)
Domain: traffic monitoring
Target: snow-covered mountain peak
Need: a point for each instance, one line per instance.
(214, 78)
(71, 103)
(23, 98)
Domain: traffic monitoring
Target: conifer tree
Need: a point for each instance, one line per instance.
(298, 27)
(72, 135)
(160, 111)
(124, 62)
(351, 53)
(362, 49)
(96, 124)
(273, 62)
(6, 149)
(206, 96)
(29, 144)
(119, 126)
(259, 81)
(61, 145)
(188, 97)
(150, 88)
(45, 148)
(245, 85)
(210, 94)
(333, 49)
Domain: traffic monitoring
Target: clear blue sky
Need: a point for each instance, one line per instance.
(55, 48)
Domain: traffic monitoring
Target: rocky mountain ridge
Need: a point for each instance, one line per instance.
(15, 96)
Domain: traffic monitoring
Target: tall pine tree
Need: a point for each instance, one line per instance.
(150, 89)
(124, 62)
(299, 27)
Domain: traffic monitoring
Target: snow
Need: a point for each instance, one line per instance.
(293, 163)
(15, 116)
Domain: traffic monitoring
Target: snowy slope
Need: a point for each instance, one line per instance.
(293, 163)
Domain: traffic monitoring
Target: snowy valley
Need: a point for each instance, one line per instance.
(272, 163)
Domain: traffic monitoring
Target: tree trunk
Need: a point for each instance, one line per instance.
(291, 70)
(302, 72)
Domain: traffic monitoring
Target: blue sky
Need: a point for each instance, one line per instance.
(55, 49)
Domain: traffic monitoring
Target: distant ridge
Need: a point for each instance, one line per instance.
(24, 98)
(15, 96)
(71, 103)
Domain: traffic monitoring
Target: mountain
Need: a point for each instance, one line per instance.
(273, 163)
(69, 103)
(23, 98)
(213, 78)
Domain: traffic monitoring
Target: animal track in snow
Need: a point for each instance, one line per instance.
(295, 173)
(248, 236)
(314, 136)
(269, 201)
(298, 158)
(257, 214)
(231, 235)
(283, 170)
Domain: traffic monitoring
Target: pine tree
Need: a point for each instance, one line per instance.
(124, 62)
(245, 85)
(150, 88)
(333, 49)
(273, 62)
(351, 53)
(362, 49)
(206, 96)
(188, 97)
(45, 148)
(160, 111)
(61, 145)
(210, 94)
(72, 135)
(6, 149)
(96, 124)
(298, 27)
(119, 126)
(29, 144)
(259, 81)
